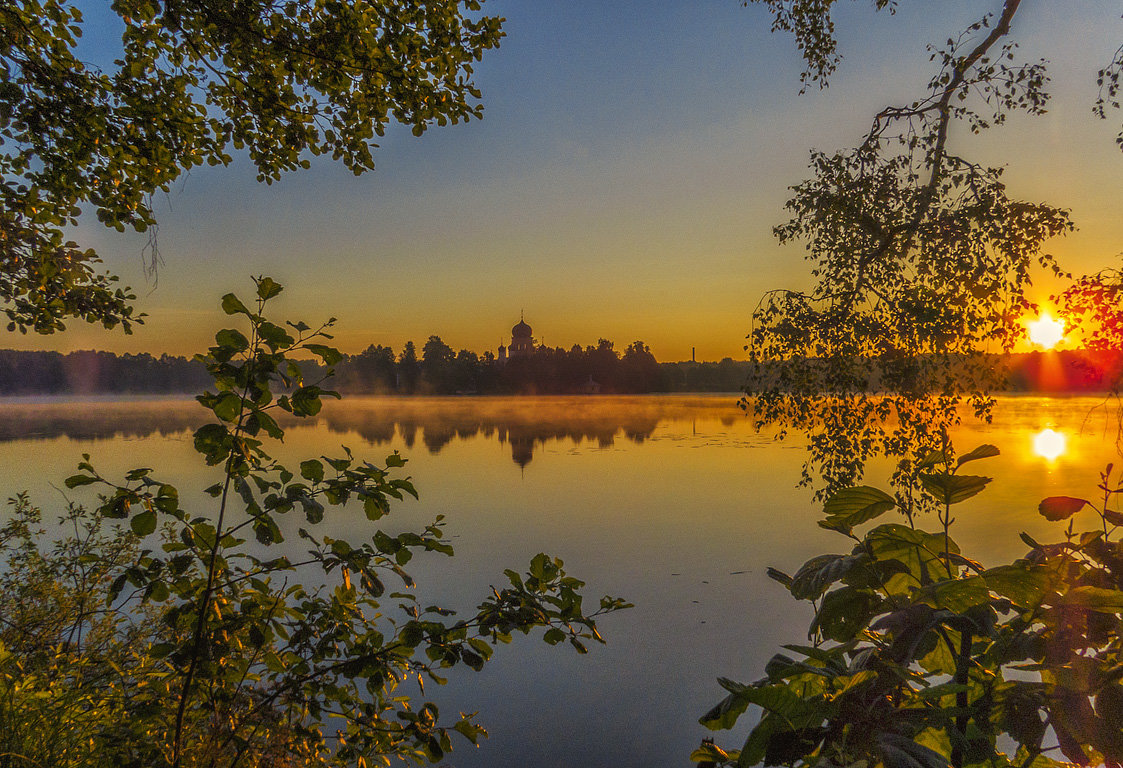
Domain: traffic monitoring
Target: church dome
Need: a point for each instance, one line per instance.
(521, 331)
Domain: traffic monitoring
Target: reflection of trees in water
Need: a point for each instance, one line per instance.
(522, 423)
(98, 419)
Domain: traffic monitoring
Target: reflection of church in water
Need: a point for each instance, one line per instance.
(522, 342)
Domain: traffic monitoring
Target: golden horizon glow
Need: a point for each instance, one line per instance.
(1046, 331)
(1049, 444)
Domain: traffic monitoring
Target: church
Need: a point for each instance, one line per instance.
(522, 342)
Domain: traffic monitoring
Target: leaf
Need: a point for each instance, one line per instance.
(312, 470)
(932, 459)
(958, 595)
(1023, 584)
(232, 305)
(231, 339)
(820, 572)
(777, 575)
(267, 288)
(1060, 507)
(330, 355)
(1113, 517)
(984, 451)
(952, 489)
(76, 480)
(228, 407)
(843, 613)
(901, 752)
(143, 523)
(853, 506)
(1095, 598)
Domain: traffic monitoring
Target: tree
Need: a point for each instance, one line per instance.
(194, 81)
(409, 369)
(436, 365)
(921, 257)
(178, 644)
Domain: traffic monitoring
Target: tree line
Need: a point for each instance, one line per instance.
(438, 370)
(435, 369)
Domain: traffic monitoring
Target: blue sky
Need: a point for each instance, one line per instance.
(623, 183)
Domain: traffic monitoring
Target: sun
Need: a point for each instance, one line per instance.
(1046, 331)
(1049, 444)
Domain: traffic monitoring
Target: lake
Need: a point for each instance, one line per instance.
(672, 502)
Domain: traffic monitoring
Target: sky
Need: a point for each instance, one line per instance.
(623, 183)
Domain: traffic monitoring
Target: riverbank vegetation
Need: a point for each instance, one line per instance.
(156, 632)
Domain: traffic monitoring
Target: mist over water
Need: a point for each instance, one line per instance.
(673, 502)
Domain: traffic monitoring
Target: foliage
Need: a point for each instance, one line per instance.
(923, 658)
(921, 258)
(194, 80)
(261, 652)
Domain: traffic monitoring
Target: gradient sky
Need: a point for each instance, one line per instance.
(623, 183)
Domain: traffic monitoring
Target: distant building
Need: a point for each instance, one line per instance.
(522, 342)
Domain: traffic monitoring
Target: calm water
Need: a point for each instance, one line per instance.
(670, 501)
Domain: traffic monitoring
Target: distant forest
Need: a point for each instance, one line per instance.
(435, 369)
(439, 370)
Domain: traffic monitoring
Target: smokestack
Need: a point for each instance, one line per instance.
(692, 355)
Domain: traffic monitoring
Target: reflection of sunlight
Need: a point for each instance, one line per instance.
(1049, 444)
(1045, 331)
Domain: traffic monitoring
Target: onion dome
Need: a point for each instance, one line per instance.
(521, 331)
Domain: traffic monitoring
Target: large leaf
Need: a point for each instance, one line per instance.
(984, 451)
(820, 572)
(1025, 585)
(1095, 598)
(900, 752)
(1060, 507)
(952, 489)
(853, 506)
(843, 613)
(794, 710)
(916, 550)
(958, 595)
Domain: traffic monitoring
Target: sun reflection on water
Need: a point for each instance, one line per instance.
(1049, 444)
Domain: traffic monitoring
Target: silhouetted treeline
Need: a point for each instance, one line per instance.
(87, 373)
(602, 369)
(435, 369)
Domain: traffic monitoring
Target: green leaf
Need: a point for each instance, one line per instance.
(1060, 507)
(232, 339)
(958, 595)
(820, 572)
(312, 470)
(853, 506)
(843, 613)
(228, 407)
(1095, 598)
(76, 480)
(232, 305)
(1023, 584)
(267, 288)
(952, 489)
(901, 752)
(330, 355)
(984, 451)
(143, 523)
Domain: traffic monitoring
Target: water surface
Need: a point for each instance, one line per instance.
(673, 502)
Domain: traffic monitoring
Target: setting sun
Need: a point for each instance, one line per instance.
(1046, 331)
(1049, 444)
